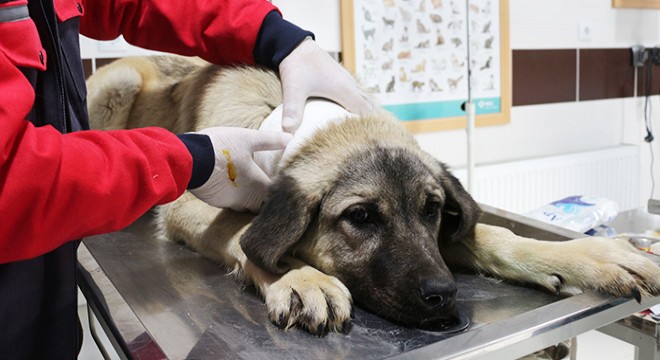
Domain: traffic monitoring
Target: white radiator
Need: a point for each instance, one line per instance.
(522, 186)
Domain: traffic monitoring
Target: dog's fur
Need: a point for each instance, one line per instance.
(359, 207)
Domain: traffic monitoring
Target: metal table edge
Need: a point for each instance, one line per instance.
(98, 290)
(587, 312)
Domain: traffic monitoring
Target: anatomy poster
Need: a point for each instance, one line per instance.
(412, 55)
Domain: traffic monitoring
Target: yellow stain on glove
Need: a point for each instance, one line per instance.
(231, 168)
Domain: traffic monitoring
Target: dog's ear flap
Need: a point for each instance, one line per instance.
(283, 219)
(460, 212)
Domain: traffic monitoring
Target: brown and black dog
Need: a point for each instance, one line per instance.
(357, 210)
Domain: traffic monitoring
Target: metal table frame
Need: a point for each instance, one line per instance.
(135, 325)
(644, 334)
(637, 329)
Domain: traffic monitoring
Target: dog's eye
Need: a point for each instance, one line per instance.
(431, 208)
(361, 215)
(358, 216)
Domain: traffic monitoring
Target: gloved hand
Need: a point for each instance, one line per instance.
(309, 71)
(237, 182)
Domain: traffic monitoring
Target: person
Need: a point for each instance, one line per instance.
(60, 181)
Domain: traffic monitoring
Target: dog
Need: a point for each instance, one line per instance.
(358, 212)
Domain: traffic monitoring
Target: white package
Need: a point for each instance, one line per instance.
(577, 213)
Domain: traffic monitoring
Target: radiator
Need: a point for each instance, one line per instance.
(522, 186)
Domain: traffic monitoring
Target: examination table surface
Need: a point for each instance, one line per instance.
(158, 299)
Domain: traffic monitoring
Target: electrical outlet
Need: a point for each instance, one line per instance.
(639, 56)
(584, 31)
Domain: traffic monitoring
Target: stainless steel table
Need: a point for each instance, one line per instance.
(161, 300)
(638, 329)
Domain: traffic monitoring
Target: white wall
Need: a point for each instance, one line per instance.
(536, 130)
(322, 17)
(590, 124)
(537, 24)
(541, 130)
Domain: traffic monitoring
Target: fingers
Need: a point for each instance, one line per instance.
(355, 101)
(254, 192)
(262, 140)
(340, 88)
(252, 182)
(344, 89)
(293, 110)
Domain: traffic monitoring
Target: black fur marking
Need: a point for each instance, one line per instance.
(296, 304)
(281, 321)
(559, 286)
(637, 295)
(281, 223)
(346, 326)
(460, 213)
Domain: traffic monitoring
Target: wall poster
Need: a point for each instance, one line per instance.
(412, 56)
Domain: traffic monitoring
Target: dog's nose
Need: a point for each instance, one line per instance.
(437, 293)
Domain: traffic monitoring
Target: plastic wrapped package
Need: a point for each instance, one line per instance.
(577, 213)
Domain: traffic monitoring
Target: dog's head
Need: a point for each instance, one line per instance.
(363, 203)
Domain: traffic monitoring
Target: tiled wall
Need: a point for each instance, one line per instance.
(564, 75)
(544, 76)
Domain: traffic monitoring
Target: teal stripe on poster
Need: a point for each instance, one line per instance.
(442, 109)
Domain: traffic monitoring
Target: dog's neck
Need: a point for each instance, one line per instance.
(318, 115)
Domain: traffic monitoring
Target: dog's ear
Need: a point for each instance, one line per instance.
(283, 219)
(460, 212)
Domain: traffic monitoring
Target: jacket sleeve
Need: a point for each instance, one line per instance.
(54, 187)
(220, 31)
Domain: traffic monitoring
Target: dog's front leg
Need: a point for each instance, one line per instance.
(303, 297)
(609, 265)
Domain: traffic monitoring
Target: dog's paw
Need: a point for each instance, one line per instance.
(612, 266)
(309, 299)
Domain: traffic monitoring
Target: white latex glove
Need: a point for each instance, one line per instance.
(309, 71)
(237, 182)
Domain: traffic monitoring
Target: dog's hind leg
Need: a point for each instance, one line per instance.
(236, 96)
(212, 232)
(611, 266)
(112, 92)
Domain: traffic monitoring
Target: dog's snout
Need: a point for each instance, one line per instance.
(437, 293)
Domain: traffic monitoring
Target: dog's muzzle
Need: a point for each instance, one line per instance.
(438, 295)
(451, 324)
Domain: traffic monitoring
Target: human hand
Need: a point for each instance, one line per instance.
(237, 182)
(309, 71)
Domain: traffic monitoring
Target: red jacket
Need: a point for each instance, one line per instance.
(54, 187)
